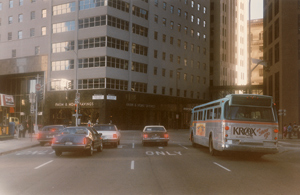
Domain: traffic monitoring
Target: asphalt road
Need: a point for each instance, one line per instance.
(133, 169)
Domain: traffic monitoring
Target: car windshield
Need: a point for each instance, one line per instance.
(154, 129)
(105, 127)
(75, 131)
(52, 128)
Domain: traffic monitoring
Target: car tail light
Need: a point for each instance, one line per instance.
(38, 135)
(145, 135)
(52, 130)
(115, 136)
(84, 141)
(166, 135)
(53, 140)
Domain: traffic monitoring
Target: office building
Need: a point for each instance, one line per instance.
(131, 62)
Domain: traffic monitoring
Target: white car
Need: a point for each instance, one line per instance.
(110, 134)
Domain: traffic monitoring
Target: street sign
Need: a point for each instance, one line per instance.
(32, 108)
(111, 97)
(32, 98)
(38, 87)
(98, 97)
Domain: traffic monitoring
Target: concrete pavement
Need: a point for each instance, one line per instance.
(16, 144)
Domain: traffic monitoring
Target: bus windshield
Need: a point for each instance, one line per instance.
(243, 113)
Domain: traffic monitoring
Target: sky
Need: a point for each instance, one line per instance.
(256, 9)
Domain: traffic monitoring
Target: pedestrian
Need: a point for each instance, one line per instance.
(25, 127)
(295, 129)
(21, 129)
(284, 130)
(89, 123)
(290, 130)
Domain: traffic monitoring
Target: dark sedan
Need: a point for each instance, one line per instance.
(46, 134)
(77, 139)
(155, 134)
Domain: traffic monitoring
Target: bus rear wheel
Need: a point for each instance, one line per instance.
(212, 151)
(193, 143)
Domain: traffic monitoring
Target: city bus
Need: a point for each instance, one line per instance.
(238, 122)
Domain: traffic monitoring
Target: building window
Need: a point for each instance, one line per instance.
(14, 53)
(172, 24)
(163, 90)
(171, 91)
(44, 30)
(62, 47)
(179, 12)
(171, 40)
(154, 89)
(11, 4)
(171, 57)
(163, 73)
(32, 15)
(20, 34)
(10, 20)
(192, 18)
(186, 15)
(178, 42)
(21, 2)
(9, 36)
(156, 18)
(32, 32)
(164, 37)
(171, 73)
(63, 27)
(277, 57)
(32, 1)
(172, 9)
(164, 56)
(179, 27)
(155, 35)
(164, 22)
(139, 67)
(155, 54)
(155, 71)
(20, 18)
(64, 8)
(164, 5)
(44, 13)
(62, 65)
(37, 50)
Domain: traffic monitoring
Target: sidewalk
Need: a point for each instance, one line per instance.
(15, 144)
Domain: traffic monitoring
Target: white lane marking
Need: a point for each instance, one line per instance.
(222, 166)
(132, 164)
(43, 164)
(132, 145)
(183, 146)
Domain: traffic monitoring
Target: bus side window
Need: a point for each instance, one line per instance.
(209, 114)
(195, 116)
(200, 116)
(217, 113)
(204, 115)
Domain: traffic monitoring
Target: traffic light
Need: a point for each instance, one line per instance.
(40, 95)
(75, 110)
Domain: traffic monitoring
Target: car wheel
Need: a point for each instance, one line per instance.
(58, 153)
(90, 151)
(100, 148)
(42, 143)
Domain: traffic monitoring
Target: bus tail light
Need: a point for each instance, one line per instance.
(226, 128)
(276, 131)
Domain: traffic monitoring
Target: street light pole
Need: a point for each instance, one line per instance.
(249, 48)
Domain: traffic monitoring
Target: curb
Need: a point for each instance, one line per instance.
(18, 149)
